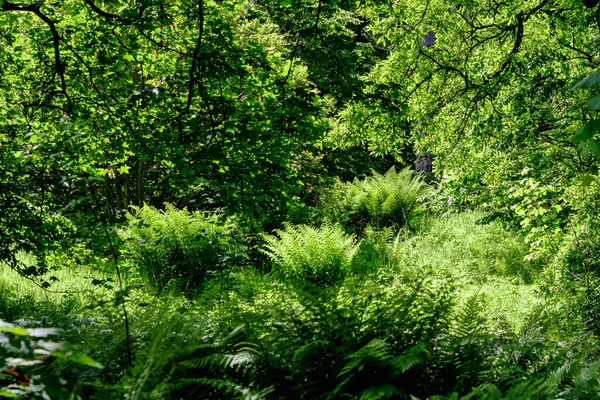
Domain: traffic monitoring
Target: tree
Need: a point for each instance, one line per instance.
(199, 103)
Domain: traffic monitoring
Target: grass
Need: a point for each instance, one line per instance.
(477, 258)
(73, 290)
(504, 298)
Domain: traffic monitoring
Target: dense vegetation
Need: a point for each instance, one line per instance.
(299, 200)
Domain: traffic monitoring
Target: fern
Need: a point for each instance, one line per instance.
(411, 357)
(321, 256)
(223, 386)
(189, 247)
(386, 200)
(214, 370)
(377, 351)
(377, 392)
(471, 319)
(376, 360)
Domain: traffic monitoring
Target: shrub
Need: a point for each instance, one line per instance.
(321, 256)
(177, 244)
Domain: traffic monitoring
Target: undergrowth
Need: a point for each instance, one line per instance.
(449, 308)
(189, 247)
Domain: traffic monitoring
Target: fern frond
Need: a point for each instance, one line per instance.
(588, 376)
(306, 355)
(471, 318)
(411, 357)
(224, 386)
(379, 392)
(376, 351)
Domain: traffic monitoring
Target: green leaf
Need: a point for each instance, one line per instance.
(18, 331)
(84, 359)
(586, 132)
(6, 393)
(285, 3)
(78, 357)
(594, 148)
(588, 82)
(54, 387)
(587, 180)
(594, 103)
(124, 170)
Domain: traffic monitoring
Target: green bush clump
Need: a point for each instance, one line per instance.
(321, 256)
(380, 200)
(173, 244)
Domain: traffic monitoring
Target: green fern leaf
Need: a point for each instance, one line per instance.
(379, 392)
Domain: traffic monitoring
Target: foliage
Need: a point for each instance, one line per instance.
(388, 200)
(397, 328)
(119, 117)
(321, 256)
(199, 104)
(584, 137)
(189, 247)
(23, 348)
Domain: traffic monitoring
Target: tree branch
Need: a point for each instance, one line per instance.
(195, 58)
(110, 17)
(35, 9)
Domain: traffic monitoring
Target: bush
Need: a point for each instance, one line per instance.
(190, 247)
(379, 200)
(321, 256)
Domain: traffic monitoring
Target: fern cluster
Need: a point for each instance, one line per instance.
(379, 200)
(386, 200)
(321, 256)
(173, 244)
(362, 341)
